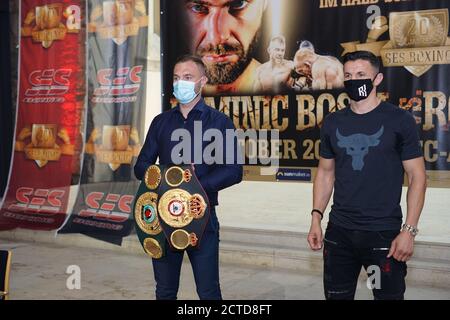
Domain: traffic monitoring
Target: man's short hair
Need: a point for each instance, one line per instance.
(195, 59)
(306, 45)
(363, 55)
(279, 38)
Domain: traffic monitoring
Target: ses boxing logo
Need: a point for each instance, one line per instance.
(120, 87)
(114, 145)
(48, 86)
(51, 22)
(118, 19)
(106, 207)
(38, 201)
(418, 40)
(43, 143)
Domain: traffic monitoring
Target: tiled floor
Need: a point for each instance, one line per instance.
(39, 272)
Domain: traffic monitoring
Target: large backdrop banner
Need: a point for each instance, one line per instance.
(275, 64)
(117, 50)
(50, 108)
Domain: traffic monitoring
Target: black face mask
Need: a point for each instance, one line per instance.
(359, 89)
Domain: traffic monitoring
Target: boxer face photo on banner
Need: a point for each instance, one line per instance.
(224, 34)
(236, 41)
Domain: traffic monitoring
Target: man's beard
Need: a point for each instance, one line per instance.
(228, 72)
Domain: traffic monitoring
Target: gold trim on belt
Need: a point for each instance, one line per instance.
(181, 239)
(152, 177)
(175, 176)
(146, 214)
(152, 248)
(173, 208)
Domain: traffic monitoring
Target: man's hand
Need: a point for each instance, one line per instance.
(315, 237)
(402, 247)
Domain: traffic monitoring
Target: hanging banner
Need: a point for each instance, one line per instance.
(275, 65)
(49, 111)
(117, 50)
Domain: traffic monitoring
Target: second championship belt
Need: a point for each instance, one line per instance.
(170, 204)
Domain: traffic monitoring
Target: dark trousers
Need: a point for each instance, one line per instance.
(204, 262)
(346, 251)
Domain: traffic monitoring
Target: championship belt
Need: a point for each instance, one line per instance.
(170, 204)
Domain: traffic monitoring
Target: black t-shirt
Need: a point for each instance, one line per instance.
(368, 150)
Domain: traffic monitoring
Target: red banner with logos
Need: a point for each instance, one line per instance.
(50, 109)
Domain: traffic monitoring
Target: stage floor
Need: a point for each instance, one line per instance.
(39, 272)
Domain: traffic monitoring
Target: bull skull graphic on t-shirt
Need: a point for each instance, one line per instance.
(357, 146)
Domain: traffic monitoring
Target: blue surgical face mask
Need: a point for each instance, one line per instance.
(184, 91)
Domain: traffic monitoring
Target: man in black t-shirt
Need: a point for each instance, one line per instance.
(365, 150)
